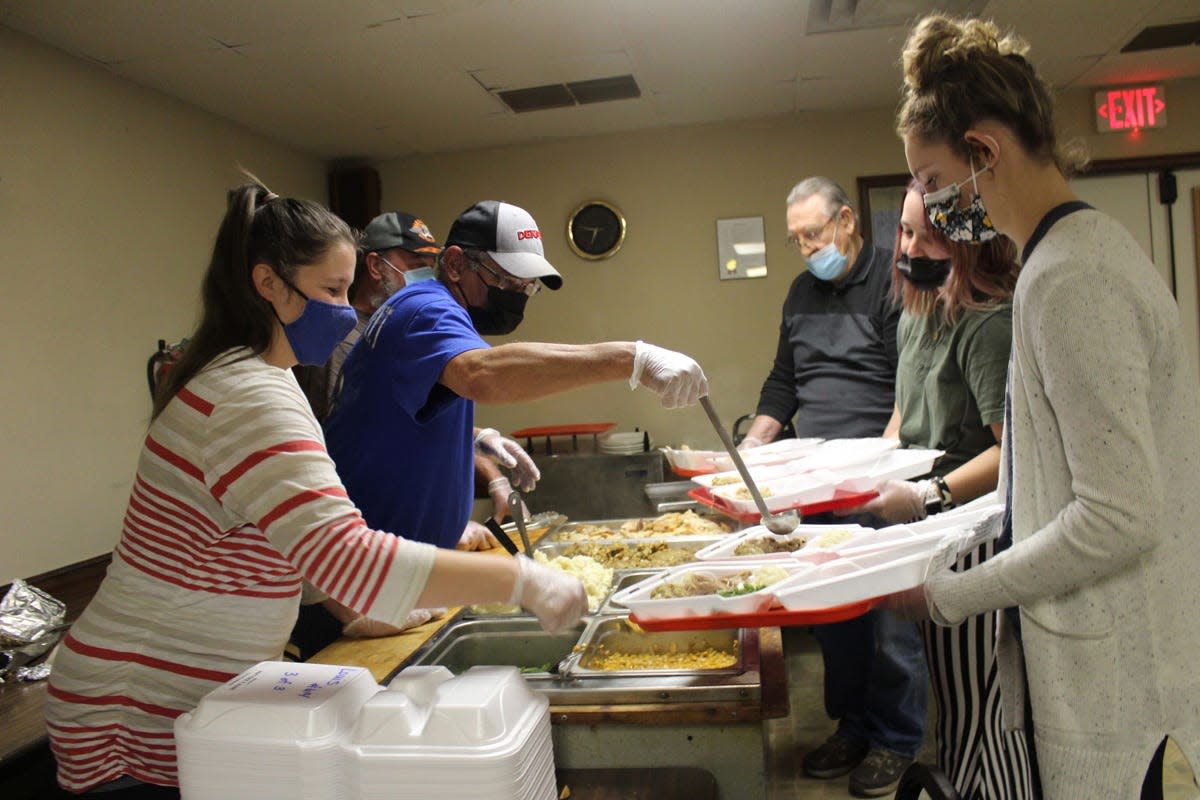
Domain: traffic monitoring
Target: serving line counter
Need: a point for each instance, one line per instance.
(711, 720)
(647, 724)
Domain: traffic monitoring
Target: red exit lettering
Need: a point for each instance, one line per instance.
(1131, 108)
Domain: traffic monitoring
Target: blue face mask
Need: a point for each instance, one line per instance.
(827, 263)
(318, 330)
(417, 275)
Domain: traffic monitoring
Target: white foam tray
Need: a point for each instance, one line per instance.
(785, 492)
(854, 579)
(638, 600)
(842, 453)
(725, 549)
(893, 465)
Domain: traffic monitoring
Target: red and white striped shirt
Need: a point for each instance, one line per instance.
(234, 502)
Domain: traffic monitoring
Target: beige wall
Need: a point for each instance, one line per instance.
(672, 185)
(110, 196)
(662, 286)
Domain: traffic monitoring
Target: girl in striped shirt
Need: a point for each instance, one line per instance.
(235, 504)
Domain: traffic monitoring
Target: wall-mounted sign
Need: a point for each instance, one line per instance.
(1131, 108)
(741, 248)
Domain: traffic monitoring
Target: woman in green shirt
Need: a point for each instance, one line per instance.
(954, 339)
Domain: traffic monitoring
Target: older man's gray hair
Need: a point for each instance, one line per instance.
(834, 195)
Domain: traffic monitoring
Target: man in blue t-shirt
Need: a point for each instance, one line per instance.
(402, 430)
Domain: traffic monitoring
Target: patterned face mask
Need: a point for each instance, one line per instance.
(972, 224)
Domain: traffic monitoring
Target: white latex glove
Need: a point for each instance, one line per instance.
(898, 501)
(674, 377)
(362, 627)
(555, 598)
(476, 537)
(750, 442)
(507, 453)
(500, 489)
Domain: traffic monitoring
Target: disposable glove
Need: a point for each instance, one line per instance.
(674, 377)
(362, 627)
(476, 537)
(500, 489)
(507, 453)
(898, 501)
(555, 598)
(750, 442)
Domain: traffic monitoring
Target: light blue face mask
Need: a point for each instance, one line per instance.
(417, 275)
(409, 277)
(828, 262)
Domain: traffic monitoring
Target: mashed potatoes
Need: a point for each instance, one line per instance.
(596, 579)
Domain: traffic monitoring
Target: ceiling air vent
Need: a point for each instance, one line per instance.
(1157, 37)
(619, 87)
(536, 98)
(558, 95)
(827, 16)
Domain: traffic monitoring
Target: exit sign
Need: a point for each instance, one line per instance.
(1131, 108)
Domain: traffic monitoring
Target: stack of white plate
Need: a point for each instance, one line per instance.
(623, 443)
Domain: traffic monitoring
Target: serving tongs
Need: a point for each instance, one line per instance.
(784, 522)
(516, 511)
(566, 665)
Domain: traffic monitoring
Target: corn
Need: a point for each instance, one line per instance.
(709, 658)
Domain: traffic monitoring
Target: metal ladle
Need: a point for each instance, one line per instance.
(785, 522)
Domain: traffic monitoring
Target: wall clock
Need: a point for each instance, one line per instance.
(595, 230)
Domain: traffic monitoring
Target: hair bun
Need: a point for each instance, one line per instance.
(939, 44)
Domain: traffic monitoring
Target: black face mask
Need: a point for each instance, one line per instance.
(502, 314)
(924, 273)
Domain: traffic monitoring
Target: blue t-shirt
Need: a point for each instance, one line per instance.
(402, 441)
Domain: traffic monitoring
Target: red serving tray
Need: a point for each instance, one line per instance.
(840, 500)
(775, 618)
(564, 430)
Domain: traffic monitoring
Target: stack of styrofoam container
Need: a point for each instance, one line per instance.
(297, 731)
(483, 735)
(275, 731)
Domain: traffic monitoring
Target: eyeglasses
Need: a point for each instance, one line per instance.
(508, 283)
(810, 236)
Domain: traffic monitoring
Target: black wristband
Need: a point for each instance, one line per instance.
(947, 499)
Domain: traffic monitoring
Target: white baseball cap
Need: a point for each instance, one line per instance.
(509, 235)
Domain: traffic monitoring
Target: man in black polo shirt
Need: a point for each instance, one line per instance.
(835, 371)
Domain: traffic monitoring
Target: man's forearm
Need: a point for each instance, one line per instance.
(521, 371)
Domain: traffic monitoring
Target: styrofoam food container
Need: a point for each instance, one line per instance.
(839, 453)
(275, 730)
(779, 452)
(638, 600)
(893, 465)
(963, 518)
(280, 701)
(786, 492)
(697, 460)
(758, 473)
(851, 580)
(725, 549)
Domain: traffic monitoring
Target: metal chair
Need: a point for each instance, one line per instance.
(928, 778)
